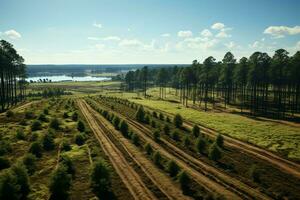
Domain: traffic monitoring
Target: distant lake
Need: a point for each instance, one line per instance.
(67, 78)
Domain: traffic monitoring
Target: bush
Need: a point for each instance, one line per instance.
(116, 122)
(157, 158)
(65, 115)
(154, 114)
(178, 121)
(60, 183)
(5, 147)
(42, 117)
(135, 139)
(100, 179)
(9, 113)
(29, 115)
(29, 160)
(4, 163)
(124, 128)
(186, 141)
(36, 149)
(20, 135)
(153, 124)
(220, 140)
(54, 124)
(75, 116)
(172, 168)
(48, 142)
(46, 111)
(79, 139)
(166, 129)
(214, 152)
(254, 173)
(196, 131)
(34, 137)
(36, 125)
(147, 119)
(9, 189)
(20, 172)
(184, 181)
(161, 116)
(80, 126)
(175, 136)
(156, 136)
(168, 119)
(65, 146)
(67, 162)
(148, 149)
(200, 145)
(140, 114)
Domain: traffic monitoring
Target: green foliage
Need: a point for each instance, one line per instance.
(161, 116)
(65, 146)
(147, 119)
(9, 189)
(175, 136)
(4, 163)
(124, 128)
(9, 114)
(48, 142)
(60, 183)
(166, 129)
(156, 136)
(42, 117)
(46, 111)
(186, 141)
(178, 120)
(65, 115)
(184, 181)
(36, 149)
(20, 135)
(116, 122)
(54, 124)
(153, 124)
(214, 152)
(29, 160)
(140, 114)
(135, 139)
(5, 147)
(67, 162)
(100, 179)
(79, 139)
(220, 140)
(36, 125)
(29, 115)
(157, 158)
(75, 116)
(200, 145)
(172, 168)
(80, 126)
(148, 148)
(168, 119)
(254, 173)
(34, 137)
(196, 131)
(154, 114)
(20, 172)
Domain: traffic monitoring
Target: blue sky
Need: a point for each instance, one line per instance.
(147, 31)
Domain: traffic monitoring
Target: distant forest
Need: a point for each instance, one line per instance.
(262, 84)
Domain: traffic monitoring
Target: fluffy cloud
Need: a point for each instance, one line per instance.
(165, 35)
(93, 38)
(111, 38)
(206, 33)
(223, 34)
(132, 43)
(12, 34)
(230, 45)
(281, 31)
(218, 26)
(97, 25)
(197, 43)
(185, 34)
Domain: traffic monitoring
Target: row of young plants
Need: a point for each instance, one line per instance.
(248, 169)
(188, 186)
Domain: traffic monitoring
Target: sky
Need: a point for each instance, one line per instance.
(147, 31)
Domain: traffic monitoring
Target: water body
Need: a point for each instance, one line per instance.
(67, 78)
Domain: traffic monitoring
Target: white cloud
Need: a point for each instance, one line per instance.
(111, 38)
(197, 43)
(206, 33)
(93, 38)
(223, 34)
(218, 26)
(100, 46)
(230, 45)
(281, 31)
(132, 42)
(97, 25)
(256, 45)
(165, 35)
(185, 34)
(12, 34)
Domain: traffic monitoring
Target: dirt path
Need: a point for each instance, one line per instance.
(21, 107)
(157, 176)
(283, 164)
(130, 178)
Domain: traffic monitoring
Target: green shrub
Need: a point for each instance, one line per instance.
(140, 114)
(214, 152)
(67, 162)
(147, 119)
(36, 125)
(42, 117)
(20, 172)
(20, 135)
(79, 139)
(161, 116)
(220, 140)
(186, 141)
(200, 145)
(5, 147)
(65, 115)
(196, 131)
(116, 122)
(254, 173)
(29, 160)
(4, 163)
(178, 121)
(135, 139)
(65, 146)
(9, 114)
(156, 136)
(9, 189)
(184, 181)
(172, 168)
(153, 124)
(54, 124)
(29, 115)
(175, 136)
(48, 142)
(154, 114)
(46, 111)
(36, 149)
(148, 149)
(100, 179)
(124, 128)
(166, 129)
(80, 126)
(157, 158)
(75, 116)
(168, 119)
(34, 137)
(60, 183)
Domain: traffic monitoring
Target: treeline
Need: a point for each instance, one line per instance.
(12, 76)
(262, 84)
(49, 92)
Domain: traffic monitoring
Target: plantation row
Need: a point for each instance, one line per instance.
(197, 144)
(265, 85)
